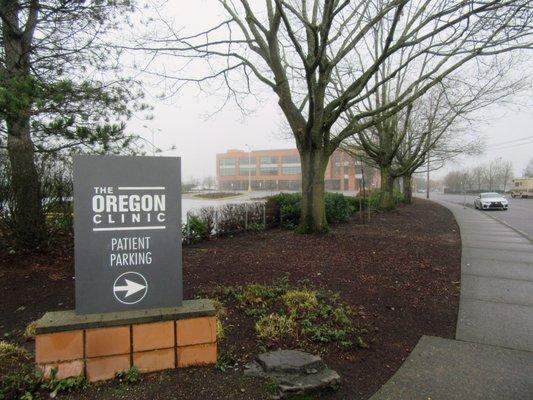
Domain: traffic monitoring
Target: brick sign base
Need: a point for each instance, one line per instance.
(100, 345)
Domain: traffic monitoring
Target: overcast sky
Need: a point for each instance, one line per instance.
(181, 120)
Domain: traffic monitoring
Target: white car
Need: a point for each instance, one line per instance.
(491, 201)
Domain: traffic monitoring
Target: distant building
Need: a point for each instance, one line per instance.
(281, 170)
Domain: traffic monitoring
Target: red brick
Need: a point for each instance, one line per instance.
(60, 346)
(155, 360)
(102, 342)
(196, 331)
(199, 354)
(106, 367)
(64, 370)
(159, 335)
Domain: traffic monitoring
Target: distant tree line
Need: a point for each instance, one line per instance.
(494, 176)
(528, 171)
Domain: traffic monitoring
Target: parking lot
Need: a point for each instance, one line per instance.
(519, 215)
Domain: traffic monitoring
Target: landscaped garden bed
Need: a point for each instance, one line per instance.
(361, 296)
(216, 195)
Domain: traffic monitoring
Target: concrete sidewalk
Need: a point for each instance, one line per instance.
(492, 356)
(496, 305)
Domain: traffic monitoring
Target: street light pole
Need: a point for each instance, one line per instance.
(249, 168)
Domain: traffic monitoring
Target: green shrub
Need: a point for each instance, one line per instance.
(373, 200)
(55, 386)
(296, 315)
(397, 198)
(29, 331)
(21, 384)
(220, 331)
(338, 208)
(131, 375)
(194, 230)
(289, 208)
(299, 300)
(254, 298)
(59, 221)
(10, 351)
(274, 327)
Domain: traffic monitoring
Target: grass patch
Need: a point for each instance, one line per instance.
(29, 331)
(275, 327)
(216, 195)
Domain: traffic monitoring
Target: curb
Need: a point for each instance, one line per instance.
(520, 232)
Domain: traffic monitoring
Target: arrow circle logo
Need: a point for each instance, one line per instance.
(130, 287)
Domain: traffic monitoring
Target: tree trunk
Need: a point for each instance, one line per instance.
(386, 198)
(313, 212)
(27, 212)
(27, 215)
(408, 189)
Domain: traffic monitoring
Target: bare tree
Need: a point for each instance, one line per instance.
(208, 182)
(431, 120)
(528, 171)
(298, 49)
(494, 176)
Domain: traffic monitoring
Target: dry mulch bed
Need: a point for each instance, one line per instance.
(401, 271)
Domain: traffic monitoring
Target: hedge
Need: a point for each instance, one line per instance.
(338, 208)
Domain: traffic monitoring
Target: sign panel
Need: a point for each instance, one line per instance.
(127, 233)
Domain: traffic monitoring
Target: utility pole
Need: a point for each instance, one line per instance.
(249, 168)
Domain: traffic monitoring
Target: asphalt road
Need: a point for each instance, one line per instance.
(519, 215)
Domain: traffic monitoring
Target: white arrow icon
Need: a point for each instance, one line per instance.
(132, 283)
(130, 288)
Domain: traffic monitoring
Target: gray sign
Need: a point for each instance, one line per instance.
(127, 230)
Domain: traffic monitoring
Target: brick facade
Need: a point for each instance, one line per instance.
(150, 340)
(280, 170)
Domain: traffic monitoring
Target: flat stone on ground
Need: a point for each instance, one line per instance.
(289, 361)
(294, 372)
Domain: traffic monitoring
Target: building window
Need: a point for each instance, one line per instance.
(245, 170)
(291, 165)
(227, 171)
(332, 184)
(290, 159)
(227, 166)
(269, 160)
(269, 165)
(227, 162)
(291, 170)
(269, 170)
(246, 160)
(247, 166)
(290, 185)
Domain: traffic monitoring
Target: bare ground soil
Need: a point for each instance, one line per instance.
(400, 271)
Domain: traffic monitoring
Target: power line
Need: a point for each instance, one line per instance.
(526, 138)
(510, 146)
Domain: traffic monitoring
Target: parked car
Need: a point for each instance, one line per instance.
(491, 201)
